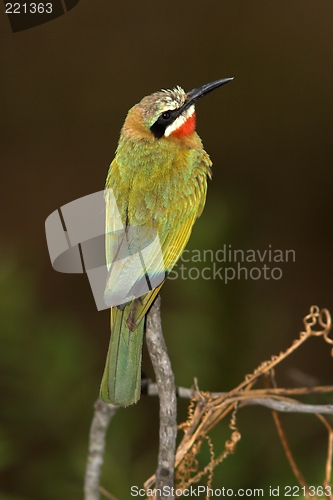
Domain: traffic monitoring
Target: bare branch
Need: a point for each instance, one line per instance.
(102, 416)
(290, 407)
(168, 403)
(246, 398)
(151, 389)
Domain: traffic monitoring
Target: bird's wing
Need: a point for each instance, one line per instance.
(114, 221)
(172, 246)
(121, 265)
(173, 227)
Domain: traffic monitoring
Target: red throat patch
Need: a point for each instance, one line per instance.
(187, 128)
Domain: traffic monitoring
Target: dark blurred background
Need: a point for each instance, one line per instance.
(65, 89)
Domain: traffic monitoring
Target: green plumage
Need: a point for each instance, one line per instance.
(122, 373)
(159, 182)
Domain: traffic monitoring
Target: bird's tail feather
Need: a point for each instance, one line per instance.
(122, 374)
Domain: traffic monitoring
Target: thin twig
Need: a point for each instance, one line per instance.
(290, 407)
(106, 493)
(284, 441)
(151, 389)
(328, 468)
(168, 403)
(102, 416)
(248, 398)
(270, 382)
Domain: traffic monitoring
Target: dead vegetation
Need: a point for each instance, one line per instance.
(206, 410)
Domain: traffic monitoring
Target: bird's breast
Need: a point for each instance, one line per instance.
(151, 180)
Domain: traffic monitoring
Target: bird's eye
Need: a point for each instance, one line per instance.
(166, 115)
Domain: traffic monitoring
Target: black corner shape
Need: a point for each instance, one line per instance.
(70, 4)
(24, 15)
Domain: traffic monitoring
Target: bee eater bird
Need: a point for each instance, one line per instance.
(159, 181)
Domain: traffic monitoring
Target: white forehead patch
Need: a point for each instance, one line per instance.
(174, 98)
(179, 121)
(169, 104)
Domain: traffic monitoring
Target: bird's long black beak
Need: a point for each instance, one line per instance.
(199, 92)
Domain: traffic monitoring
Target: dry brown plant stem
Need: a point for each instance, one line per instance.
(210, 410)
